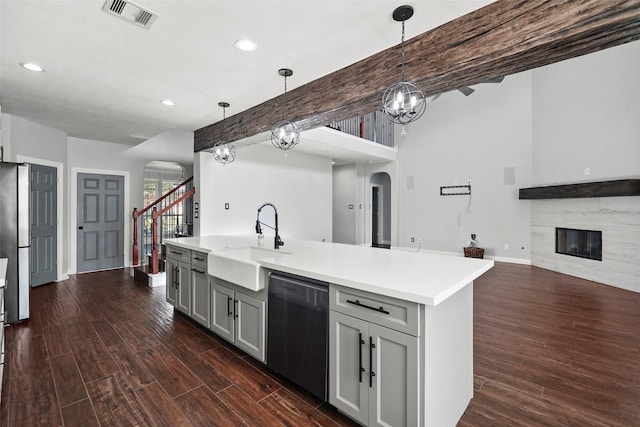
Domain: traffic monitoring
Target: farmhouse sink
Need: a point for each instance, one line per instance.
(242, 265)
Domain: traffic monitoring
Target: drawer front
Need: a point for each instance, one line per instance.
(178, 253)
(397, 314)
(199, 260)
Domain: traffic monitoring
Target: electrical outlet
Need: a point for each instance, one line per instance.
(413, 240)
(226, 206)
(587, 171)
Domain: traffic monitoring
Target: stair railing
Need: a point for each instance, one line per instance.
(155, 213)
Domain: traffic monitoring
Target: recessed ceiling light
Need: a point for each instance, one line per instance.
(31, 66)
(168, 102)
(246, 45)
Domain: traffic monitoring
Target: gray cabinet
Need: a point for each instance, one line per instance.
(178, 270)
(238, 317)
(199, 289)
(373, 369)
(250, 325)
(222, 310)
(171, 269)
(183, 300)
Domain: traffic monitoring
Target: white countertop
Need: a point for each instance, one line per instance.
(421, 277)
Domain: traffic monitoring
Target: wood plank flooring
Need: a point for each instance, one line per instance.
(551, 349)
(102, 350)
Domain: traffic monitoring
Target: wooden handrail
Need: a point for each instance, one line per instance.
(155, 214)
(137, 213)
(155, 203)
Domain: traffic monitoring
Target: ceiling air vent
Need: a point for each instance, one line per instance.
(130, 12)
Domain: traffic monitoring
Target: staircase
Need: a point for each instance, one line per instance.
(168, 217)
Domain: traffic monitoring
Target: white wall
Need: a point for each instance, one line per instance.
(586, 115)
(28, 141)
(298, 184)
(469, 138)
(171, 145)
(31, 142)
(26, 138)
(121, 159)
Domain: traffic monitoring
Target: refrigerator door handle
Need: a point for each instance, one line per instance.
(23, 207)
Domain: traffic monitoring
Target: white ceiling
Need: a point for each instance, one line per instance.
(105, 77)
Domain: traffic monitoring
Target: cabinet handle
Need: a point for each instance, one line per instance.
(174, 276)
(176, 253)
(197, 258)
(359, 304)
(360, 344)
(229, 312)
(197, 271)
(235, 308)
(371, 372)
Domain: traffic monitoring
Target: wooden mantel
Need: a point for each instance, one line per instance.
(616, 188)
(505, 37)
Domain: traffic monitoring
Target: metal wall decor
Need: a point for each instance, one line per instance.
(403, 102)
(455, 190)
(223, 152)
(285, 135)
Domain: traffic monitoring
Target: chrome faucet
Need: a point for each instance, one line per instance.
(277, 241)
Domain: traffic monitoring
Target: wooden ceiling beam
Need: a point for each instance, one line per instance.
(505, 37)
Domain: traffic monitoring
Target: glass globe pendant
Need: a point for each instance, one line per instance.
(285, 135)
(223, 152)
(403, 102)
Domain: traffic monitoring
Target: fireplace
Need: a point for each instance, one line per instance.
(579, 243)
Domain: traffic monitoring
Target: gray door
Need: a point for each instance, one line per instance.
(44, 224)
(100, 222)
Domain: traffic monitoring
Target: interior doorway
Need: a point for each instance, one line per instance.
(44, 224)
(380, 208)
(100, 222)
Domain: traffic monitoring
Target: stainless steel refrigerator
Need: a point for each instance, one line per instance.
(14, 238)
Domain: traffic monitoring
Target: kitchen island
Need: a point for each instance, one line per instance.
(401, 322)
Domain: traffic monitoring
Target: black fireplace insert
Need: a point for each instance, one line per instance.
(579, 243)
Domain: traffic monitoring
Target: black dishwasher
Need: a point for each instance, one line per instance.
(297, 331)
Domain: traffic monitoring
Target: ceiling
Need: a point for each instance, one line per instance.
(105, 77)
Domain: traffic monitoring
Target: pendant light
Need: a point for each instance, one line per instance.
(403, 102)
(223, 152)
(285, 135)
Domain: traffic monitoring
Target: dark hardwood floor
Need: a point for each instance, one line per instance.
(551, 349)
(102, 350)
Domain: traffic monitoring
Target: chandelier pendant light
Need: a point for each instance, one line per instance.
(403, 102)
(223, 152)
(285, 135)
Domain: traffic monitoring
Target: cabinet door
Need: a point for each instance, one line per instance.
(171, 281)
(184, 288)
(394, 396)
(200, 296)
(222, 320)
(349, 365)
(250, 325)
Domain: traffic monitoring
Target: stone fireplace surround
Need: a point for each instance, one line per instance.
(619, 220)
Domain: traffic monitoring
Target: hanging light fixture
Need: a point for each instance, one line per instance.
(223, 152)
(285, 135)
(403, 102)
